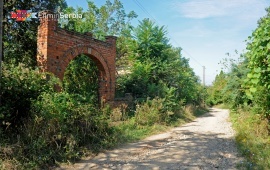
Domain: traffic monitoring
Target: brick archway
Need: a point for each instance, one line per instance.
(57, 47)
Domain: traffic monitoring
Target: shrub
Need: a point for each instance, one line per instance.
(81, 77)
(149, 112)
(155, 111)
(61, 125)
(41, 126)
(252, 137)
(19, 87)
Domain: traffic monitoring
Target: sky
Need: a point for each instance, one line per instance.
(205, 29)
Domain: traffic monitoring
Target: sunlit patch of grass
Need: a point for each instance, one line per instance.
(252, 138)
(221, 106)
(130, 131)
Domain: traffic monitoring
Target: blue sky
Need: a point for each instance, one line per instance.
(205, 29)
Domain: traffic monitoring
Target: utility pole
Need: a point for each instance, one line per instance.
(1, 44)
(204, 87)
(203, 75)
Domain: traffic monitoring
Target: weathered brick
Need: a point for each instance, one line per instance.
(57, 47)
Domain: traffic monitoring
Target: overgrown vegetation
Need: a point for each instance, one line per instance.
(81, 79)
(20, 38)
(41, 126)
(244, 88)
(252, 138)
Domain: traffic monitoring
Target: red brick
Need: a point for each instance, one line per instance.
(54, 42)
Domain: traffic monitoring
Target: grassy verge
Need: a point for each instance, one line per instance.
(252, 137)
(221, 106)
(130, 131)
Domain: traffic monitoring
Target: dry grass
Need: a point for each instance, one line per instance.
(253, 138)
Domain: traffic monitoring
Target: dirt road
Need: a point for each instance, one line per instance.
(206, 143)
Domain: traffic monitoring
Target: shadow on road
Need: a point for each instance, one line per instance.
(206, 143)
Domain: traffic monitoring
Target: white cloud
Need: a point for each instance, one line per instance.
(203, 31)
(208, 29)
(229, 17)
(195, 31)
(200, 9)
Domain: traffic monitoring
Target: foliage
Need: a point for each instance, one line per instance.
(81, 77)
(215, 91)
(59, 112)
(19, 87)
(59, 128)
(109, 19)
(247, 82)
(152, 42)
(136, 83)
(20, 41)
(258, 80)
(42, 127)
(245, 88)
(60, 125)
(229, 87)
(158, 68)
(154, 111)
(149, 112)
(252, 138)
(234, 91)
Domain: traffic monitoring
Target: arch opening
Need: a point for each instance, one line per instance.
(81, 78)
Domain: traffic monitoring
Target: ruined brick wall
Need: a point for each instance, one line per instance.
(57, 47)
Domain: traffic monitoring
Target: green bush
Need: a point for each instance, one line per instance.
(81, 77)
(149, 112)
(60, 127)
(156, 111)
(19, 87)
(41, 126)
(258, 78)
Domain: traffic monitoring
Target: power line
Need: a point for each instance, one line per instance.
(186, 52)
(144, 10)
(147, 13)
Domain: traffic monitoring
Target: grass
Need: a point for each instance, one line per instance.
(222, 106)
(130, 131)
(252, 137)
(124, 130)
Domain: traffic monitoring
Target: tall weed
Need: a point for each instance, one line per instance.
(252, 138)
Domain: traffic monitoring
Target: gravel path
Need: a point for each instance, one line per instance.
(206, 143)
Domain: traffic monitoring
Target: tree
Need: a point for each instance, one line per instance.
(20, 41)
(216, 90)
(258, 55)
(234, 91)
(228, 87)
(151, 40)
(109, 19)
(159, 69)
